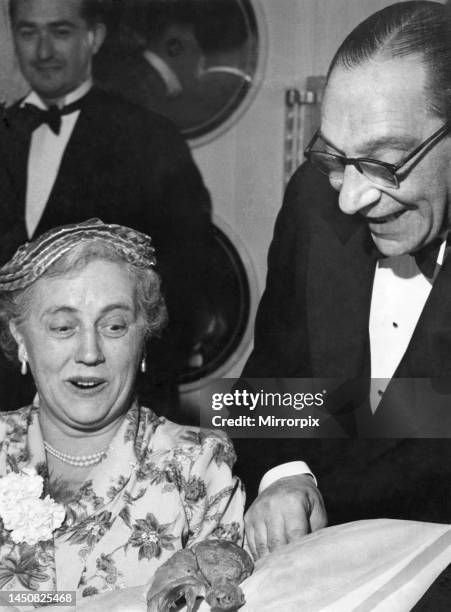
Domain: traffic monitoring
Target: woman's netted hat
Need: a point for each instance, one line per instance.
(32, 259)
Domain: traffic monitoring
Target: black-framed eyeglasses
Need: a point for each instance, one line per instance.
(378, 172)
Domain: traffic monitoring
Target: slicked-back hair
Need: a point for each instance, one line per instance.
(417, 27)
(92, 11)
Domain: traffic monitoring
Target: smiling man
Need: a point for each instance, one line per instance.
(55, 44)
(357, 261)
(379, 113)
(359, 287)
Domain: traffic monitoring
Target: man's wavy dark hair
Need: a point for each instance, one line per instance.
(417, 27)
(92, 11)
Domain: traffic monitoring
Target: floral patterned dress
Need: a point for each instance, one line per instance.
(161, 487)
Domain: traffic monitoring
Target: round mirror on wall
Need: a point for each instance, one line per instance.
(223, 312)
(195, 61)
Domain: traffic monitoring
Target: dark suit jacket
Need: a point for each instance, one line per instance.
(128, 166)
(313, 322)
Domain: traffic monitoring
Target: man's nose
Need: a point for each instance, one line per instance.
(357, 191)
(45, 46)
(89, 350)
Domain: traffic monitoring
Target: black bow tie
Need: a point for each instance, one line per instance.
(38, 117)
(30, 117)
(426, 258)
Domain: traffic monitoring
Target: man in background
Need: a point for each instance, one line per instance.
(185, 59)
(70, 151)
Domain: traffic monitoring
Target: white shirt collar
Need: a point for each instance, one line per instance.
(71, 97)
(441, 253)
(405, 265)
(169, 77)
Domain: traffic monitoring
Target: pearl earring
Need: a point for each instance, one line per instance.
(143, 366)
(23, 367)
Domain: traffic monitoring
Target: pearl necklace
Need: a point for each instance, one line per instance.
(77, 460)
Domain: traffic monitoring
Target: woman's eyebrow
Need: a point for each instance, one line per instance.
(71, 310)
(56, 309)
(117, 306)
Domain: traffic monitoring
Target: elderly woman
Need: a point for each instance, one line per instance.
(96, 490)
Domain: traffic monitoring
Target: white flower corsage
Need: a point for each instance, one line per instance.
(29, 518)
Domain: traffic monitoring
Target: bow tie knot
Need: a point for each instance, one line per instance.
(50, 117)
(31, 117)
(426, 258)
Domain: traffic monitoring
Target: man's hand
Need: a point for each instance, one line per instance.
(284, 512)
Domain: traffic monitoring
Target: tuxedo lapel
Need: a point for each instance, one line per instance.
(341, 272)
(15, 146)
(339, 285)
(429, 352)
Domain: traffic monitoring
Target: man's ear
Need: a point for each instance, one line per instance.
(97, 34)
(18, 337)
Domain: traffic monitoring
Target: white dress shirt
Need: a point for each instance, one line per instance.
(45, 155)
(400, 292)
